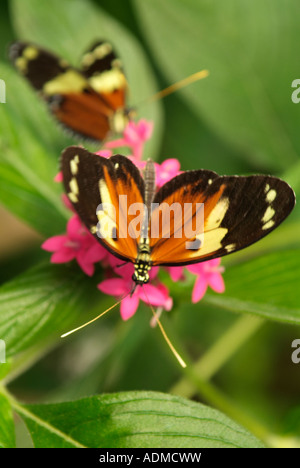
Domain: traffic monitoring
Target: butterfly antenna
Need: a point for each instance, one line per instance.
(167, 339)
(175, 87)
(94, 319)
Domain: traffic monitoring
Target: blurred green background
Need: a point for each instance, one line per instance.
(239, 120)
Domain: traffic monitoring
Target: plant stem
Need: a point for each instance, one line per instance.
(197, 376)
(217, 399)
(243, 328)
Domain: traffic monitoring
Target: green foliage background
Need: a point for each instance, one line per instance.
(116, 383)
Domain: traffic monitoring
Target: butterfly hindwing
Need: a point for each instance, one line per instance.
(237, 211)
(89, 101)
(101, 191)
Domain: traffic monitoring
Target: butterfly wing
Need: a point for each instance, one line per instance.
(102, 192)
(236, 212)
(104, 72)
(69, 92)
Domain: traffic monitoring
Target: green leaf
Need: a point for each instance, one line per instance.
(37, 306)
(28, 160)
(69, 27)
(247, 97)
(133, 419)
(7, 430)
(267, 286)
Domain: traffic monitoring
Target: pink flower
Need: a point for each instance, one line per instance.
(77, 244)
(163, 172)
(208, 274)
(134, 136)
(157, 295)
(105, 153)
(166, 171)
(176, 273)
(58, 177)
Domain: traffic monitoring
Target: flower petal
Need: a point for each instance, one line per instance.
(87, 267)
(152, 294)
(215, 262)
(74, 227)
(176, 273)
(216, 282)
(196, 268)
(95, 253)
(63, 255)
(199, 290)
(171, 165)
(114, 287)
(58, 177)
(129, 306)
(123, 269)
(116, 143)
(54, 243)
(105, 153)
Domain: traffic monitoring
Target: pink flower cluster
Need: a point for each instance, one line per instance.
(77, 243)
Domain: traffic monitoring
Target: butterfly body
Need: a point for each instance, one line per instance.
(150, 228)
(89, 100)
(142, 264)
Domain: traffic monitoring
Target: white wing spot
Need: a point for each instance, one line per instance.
(268, 225)
(74, 164)
(271, 195)
(269, 213)
(72, 197)
(74, 186)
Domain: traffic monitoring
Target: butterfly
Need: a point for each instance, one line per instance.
(89, 100)
(138, 224)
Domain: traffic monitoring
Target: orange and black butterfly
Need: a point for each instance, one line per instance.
(237, 211)
(90, 100)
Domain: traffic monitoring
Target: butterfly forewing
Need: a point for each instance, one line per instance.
(103, 192)
(104, 72)
(236, 212)
(38, 65)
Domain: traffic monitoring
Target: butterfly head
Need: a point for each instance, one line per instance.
(140, 277)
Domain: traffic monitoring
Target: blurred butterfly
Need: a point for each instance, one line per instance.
(90, 100)
(237, 211)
